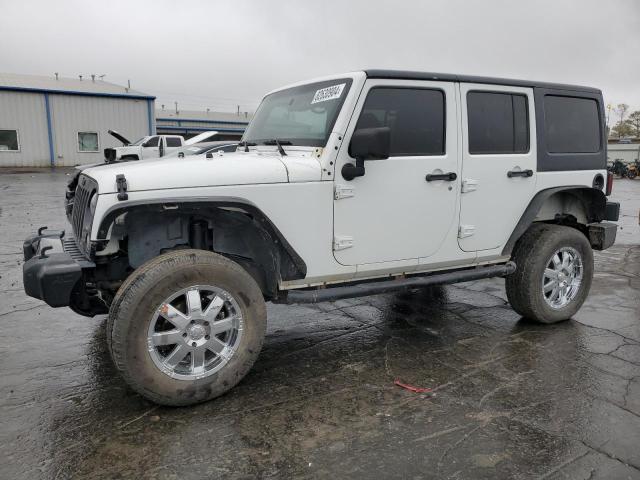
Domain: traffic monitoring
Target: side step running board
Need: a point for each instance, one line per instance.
(388, 286)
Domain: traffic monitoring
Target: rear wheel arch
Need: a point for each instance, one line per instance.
(574, 206)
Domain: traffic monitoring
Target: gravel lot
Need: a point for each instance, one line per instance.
(509, 399)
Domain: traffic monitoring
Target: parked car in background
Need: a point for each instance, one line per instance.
(204, 148)
(151, 146)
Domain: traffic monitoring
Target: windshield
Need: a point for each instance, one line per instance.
(139, 142)
(302, 115)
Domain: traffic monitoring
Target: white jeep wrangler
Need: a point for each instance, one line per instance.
(351, 185)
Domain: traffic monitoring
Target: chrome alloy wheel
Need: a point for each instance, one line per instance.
(562, 277)
(195, 332)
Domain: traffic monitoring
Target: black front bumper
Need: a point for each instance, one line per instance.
(53, 265)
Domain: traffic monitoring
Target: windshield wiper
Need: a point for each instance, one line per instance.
(279, 143)
(246, 145)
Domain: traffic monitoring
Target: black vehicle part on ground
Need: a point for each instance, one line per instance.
(54, 269)
(376, 287)
(238, 231)
(593, 201)
(109, 155)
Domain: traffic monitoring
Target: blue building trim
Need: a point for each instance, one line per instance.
(222, 122)
(75, 92)
(150, 116)
(47, 109)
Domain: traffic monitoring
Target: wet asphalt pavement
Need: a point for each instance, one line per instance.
(509, 398)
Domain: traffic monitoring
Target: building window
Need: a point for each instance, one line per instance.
(88, 142)
(416, 118)
(572, 124)
(498, 123)
(9, 141)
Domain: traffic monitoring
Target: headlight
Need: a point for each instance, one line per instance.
(88, 216)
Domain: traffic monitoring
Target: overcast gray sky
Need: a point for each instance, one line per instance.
(218, 54)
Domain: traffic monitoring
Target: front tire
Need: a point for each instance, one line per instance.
(553, 275)
(187, 327)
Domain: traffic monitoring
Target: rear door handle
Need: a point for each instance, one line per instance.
(520, 173)
(448, 177)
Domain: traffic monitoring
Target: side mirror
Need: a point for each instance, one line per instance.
(367, 144)
(180, 154)
(209, 155)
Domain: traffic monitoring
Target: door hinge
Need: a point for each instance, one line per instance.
(469, 185)
(340, 242)
(465, 231)
(343, 191)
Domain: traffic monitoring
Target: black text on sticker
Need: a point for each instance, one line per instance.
(328, 93)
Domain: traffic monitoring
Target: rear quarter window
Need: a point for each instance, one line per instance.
(572, 124)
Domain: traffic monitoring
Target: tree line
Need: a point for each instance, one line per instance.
(627, 125)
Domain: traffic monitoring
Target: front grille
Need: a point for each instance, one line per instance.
(70, 246)
(85, 189)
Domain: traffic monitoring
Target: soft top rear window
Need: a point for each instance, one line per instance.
(572, 124)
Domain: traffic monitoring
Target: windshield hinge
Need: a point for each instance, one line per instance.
(340, 242)
(466, 231)
(343, 191)
(121, 185)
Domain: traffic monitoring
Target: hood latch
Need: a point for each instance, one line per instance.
(121, 184)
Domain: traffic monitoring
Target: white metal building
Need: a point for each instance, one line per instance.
(49, 121)
(188, 123)
(626, 152)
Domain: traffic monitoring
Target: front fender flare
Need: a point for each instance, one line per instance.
(195, 204)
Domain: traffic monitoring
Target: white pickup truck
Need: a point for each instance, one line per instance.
(152, 146)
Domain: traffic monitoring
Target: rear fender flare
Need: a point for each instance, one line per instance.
(593, 200)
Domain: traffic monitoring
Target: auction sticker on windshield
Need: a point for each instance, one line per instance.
(328, 93)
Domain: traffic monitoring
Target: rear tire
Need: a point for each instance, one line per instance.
(195, 305)
(553, 275)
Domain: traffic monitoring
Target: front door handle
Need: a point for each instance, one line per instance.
(448, 177)
(518, 173)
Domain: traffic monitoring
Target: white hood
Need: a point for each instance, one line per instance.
(238, 168)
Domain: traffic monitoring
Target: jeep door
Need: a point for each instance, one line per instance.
(498, 162)
(402, 207)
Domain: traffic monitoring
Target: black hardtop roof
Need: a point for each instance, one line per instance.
(452, 77)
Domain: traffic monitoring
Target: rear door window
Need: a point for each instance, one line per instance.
(572, 124)
(498, 123)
